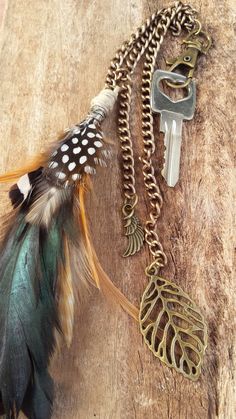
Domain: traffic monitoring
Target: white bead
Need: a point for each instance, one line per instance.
(92, 126)
(98, 135)
(83, 159)
(98, 144)
(65, 158)
(64, 147)
(71, 166)
(91, 151)
(77, 150)
(85, 142)
(75, 140)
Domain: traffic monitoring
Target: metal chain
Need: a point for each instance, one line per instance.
(130, 53)
(148, 38)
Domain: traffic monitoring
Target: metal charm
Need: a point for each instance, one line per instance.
(133, 230)
(173, 327)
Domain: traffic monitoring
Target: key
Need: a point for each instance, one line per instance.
(172, 114)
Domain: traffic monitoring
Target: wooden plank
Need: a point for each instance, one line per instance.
(53, 60)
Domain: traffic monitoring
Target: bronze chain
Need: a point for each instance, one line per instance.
(148, 38)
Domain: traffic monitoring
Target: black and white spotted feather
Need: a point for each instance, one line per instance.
(80, 152)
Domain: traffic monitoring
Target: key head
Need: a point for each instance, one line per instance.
(161, 102)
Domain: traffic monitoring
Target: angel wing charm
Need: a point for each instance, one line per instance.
(133, 231)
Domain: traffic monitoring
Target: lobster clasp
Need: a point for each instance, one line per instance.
(197, 42)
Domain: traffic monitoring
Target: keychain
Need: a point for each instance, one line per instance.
(47, 257)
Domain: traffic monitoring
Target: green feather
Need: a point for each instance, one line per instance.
(17, 276)
(28, 317)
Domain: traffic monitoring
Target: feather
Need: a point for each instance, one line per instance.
(21, 190)
(48, 199)
(39, 397)
(47, 263)
(33, 165)
(66, 296)
(27, 313)
(100, 277)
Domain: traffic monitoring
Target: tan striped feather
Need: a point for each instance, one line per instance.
(98, 275)
(65, 296)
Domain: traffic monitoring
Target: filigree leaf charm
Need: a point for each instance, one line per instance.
(173, 327)
(133, 231)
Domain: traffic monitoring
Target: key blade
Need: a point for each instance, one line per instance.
(171, 125)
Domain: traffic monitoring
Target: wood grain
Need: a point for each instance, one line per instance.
(53, 60)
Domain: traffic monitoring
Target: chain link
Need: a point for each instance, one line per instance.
(148, 38)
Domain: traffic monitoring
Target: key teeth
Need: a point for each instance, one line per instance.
(162, 123)
(163, 171)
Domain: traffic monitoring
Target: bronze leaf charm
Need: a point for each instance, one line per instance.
(173, 327)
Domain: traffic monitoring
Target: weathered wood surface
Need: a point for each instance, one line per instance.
(53, 59)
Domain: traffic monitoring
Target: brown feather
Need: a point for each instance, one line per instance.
(81, 274)
(65, 296)
(48, 201)
(34, 163)
(100, 278)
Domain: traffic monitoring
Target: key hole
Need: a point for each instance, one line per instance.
(172, 93)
